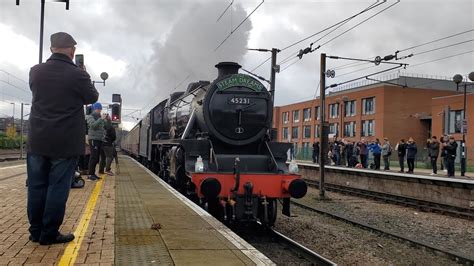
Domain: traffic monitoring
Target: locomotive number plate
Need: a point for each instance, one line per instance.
(238, 100)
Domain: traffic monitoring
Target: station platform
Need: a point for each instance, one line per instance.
(127, 219)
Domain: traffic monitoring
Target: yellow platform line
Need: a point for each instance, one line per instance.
(72, 249)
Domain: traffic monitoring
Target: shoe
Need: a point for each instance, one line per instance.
(432, 174)
(109, 173)
(93, 177)
(445, 170)
(59, 239)
(33, 239)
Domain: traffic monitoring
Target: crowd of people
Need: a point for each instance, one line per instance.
(100, 145)
(356, 154)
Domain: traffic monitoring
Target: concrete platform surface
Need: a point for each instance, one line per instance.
(128, 219)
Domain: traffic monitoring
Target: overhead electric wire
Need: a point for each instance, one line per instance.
(225, 10)
(437, 40)
(442, 58)
(443, 47)
(412, 47)
(358, 24)
(233, 30)
(373, 5)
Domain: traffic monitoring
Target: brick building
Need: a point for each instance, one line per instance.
(420, 107)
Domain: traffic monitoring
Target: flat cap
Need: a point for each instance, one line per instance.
(62, 40)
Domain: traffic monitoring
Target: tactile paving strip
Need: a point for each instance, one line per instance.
(135, 242)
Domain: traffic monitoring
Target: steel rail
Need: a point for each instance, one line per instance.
(307, 253)
(453, 255)
(399, 200)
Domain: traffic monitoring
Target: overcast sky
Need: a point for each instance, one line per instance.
(152, 47)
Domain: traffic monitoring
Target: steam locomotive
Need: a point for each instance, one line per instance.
(213, 144)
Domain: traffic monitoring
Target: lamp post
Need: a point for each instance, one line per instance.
(458, 79)
(104, 76)
(21, 130)
(42, 24)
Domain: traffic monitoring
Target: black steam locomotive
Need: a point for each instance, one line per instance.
(212, 143)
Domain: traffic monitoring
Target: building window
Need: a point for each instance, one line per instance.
(333, 128)
(350, 129)
(284, 133)
(350, 108)
(368, 128)
(455, 121)
(286, 117)
(307, 114)
(368, 106)
(307, 132)
(294, 132)
(334, 110)
(316, 131)
(296, 116)
(317, 112)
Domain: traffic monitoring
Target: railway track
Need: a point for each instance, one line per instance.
(303, 251)
(280, 248)
(452, 255)
(9, 156)
(400, 200)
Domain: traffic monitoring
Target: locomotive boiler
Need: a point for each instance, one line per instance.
(212, 142)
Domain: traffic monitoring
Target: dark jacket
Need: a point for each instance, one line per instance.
(433, 149)
(411, 150)
(402, 149)
(450, 150)
(110, 134)
(57, 124)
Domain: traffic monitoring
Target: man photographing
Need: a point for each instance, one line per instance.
(56, 135)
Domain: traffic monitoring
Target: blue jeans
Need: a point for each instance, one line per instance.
(49, 182)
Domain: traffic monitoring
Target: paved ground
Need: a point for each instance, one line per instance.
(97, 240)
(110, 231)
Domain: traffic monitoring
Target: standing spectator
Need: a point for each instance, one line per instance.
(386, 153)
(411, 155)
(349, 147)
(444, 162)
(433, 152)
(316, 152)
(364, 153)
(107, 154)
(342, 154)
(376, 150)
(96, 123)
(336, 153)
(450, 149)
(55, 137)
(355, 154)
(401, 149)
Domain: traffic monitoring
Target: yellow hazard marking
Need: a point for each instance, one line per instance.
(72, 249)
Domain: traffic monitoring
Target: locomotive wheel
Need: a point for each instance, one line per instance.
(272, 212)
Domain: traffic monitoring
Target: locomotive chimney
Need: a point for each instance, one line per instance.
(227, 68)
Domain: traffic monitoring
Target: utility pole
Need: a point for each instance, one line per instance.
(273, 71)
(43, 2)
(322, 128)
(21, 131)
(41, 32)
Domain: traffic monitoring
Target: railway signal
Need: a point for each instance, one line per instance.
(116, 110)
